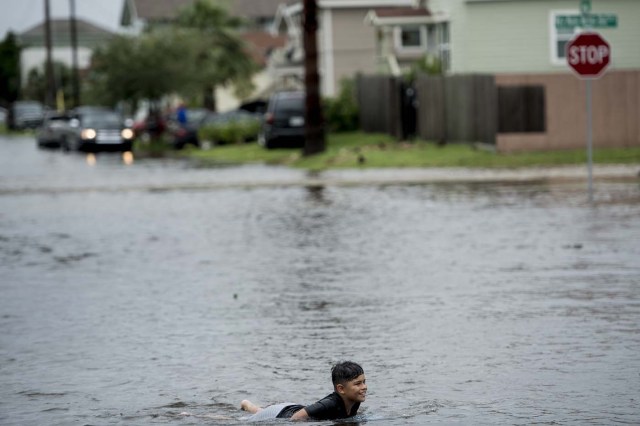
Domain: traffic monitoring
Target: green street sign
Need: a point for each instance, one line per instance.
(602, 20)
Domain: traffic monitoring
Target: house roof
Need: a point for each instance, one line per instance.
(401, 16)
(257, 8)
(157, 10)
(260, 44)
(88, 34)
(163, 10)
(401, 12)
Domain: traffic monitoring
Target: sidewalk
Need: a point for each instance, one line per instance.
(444, 175)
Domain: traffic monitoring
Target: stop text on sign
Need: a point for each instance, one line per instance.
(588, 54)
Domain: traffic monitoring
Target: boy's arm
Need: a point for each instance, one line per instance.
(300, 415)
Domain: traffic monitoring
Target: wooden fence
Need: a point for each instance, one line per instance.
(379, 104)
(458, 108)
(452, 109)
(521, 109)
(516, 112)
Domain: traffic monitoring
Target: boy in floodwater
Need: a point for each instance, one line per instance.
(350, 389)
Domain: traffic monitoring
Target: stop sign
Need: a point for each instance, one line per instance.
(588, 54)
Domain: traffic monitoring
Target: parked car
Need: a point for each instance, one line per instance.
(183, 134)
(283, 125)
(51, 133)
(3, 116)
(97, 129)
(25, 115)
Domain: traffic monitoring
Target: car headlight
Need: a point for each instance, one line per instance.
(88, 134)
(126, 134)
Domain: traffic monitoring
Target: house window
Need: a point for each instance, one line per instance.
(411, 38)
(563, 26)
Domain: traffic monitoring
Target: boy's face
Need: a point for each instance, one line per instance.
(354, 390)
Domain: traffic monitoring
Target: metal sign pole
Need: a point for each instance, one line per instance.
(589, 140)
(585, 9)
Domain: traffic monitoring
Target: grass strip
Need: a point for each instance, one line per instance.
(365, 150)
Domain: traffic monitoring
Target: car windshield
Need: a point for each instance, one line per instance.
(102, 120)
(28, 108)
(287, 107)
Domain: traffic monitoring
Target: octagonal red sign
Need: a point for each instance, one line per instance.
(588, 54)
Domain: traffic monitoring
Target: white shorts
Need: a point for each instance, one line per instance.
(269, 413)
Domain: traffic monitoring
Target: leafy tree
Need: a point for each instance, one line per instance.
(428, 64)
(220, 54)
(37, 84)
(200, 51)
(9, 69)
(341, 112)
(135, 68)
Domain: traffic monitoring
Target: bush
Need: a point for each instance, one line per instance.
(341, 112)
(233, 131)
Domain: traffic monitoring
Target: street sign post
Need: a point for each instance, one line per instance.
(588, 55)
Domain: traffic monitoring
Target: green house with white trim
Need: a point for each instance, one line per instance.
(529, 36)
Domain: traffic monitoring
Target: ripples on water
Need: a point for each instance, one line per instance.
(470, 304)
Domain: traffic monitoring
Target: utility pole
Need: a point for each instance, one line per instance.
(314, 126)
(49, 93)
(74, 54)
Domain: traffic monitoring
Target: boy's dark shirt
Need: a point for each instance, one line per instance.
(330, 407)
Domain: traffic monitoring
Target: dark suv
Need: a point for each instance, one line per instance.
(283, 125)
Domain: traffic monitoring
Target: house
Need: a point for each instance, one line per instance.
(465, 36)
(259, 14)
(529, 36)
(361, 36)
(515, 49)
(405, 35)
(34, 53)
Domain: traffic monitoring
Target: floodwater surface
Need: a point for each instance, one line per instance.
(162, 293)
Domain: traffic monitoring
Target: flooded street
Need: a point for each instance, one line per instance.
(160, 292)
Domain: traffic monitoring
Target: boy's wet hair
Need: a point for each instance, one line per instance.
(345, 371)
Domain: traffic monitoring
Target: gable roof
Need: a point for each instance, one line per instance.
(257, 8)
(154, 10)
(165, 10)
(400, 16)
(401, 12)
(88, 34)
(261, 44)
(151, 10)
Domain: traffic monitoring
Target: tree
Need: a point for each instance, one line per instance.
(220, 57)
(136, 68)
(9, 69)
(200, 50)
(36, 87)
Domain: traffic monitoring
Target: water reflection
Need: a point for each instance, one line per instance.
(127, 158)
(91, 159)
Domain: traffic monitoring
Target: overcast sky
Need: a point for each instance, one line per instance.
(20, 15)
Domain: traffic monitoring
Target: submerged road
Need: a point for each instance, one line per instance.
(161, 292)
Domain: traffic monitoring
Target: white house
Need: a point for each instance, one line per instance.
(34, 53)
